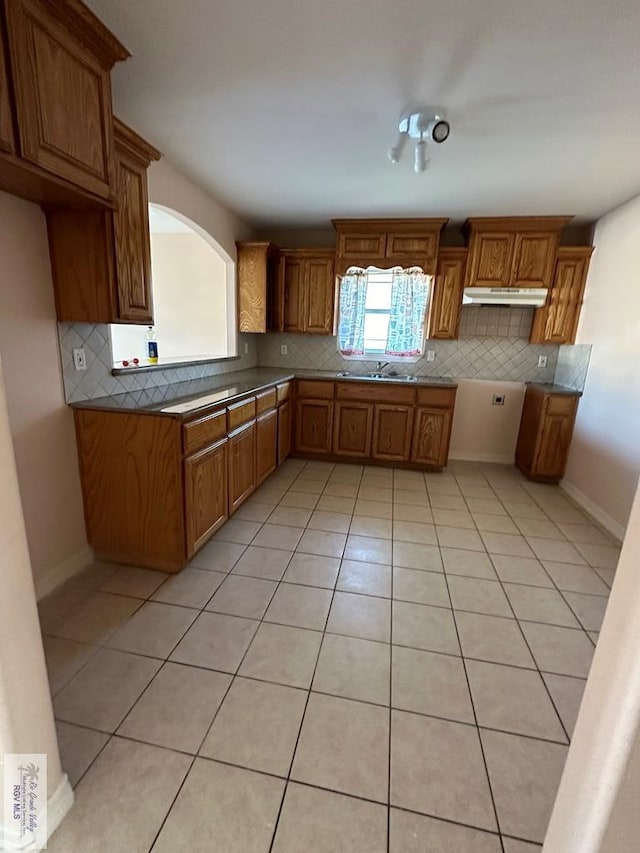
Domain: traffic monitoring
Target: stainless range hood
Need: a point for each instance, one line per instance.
(515, 296)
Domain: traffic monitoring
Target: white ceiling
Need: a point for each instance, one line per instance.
(285, 109)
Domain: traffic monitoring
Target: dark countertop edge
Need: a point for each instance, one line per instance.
(552, 388)
(172, 365)
(95, 404)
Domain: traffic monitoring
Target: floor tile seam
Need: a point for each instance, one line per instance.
(390, 745)
(533, 657)
(303, 716)
(475, 716)
(564, 598)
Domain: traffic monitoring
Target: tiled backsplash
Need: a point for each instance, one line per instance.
(97, 381)
(495, 321)
(572, 366)
(501, 358)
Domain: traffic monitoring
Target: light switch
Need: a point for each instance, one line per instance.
(542, 361)
(284, 349)
(431, 355)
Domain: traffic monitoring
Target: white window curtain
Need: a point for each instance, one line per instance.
(353, 297)
(409, 297)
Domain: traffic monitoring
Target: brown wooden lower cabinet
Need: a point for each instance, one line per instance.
(314, 422)
(431, 434)
(266, 445)
(546, 430)
(383, 422)
(242, 465)
(392, 427)
(206, 494)
(353, 425)
(284, 431)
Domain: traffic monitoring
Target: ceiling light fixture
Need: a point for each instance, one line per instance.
(427, 122)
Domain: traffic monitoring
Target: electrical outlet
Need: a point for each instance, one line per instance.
(542, 361)
(284, 349)
(498, 400)
(79, 359)
(246, 349)
(431, 355)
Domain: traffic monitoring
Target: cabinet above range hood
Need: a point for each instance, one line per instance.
(515, 296)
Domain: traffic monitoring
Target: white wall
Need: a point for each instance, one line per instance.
(596, 809)
(41, 424)
(604, 462)
(481, 431)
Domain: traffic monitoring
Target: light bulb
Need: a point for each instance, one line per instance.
(421, 161)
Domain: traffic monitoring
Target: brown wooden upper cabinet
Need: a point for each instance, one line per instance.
(60, 56)
(7, 138)
(513, 251)
(446, 299)
(100, 260)
(387, 243)
(557, 321)
(309, 290)
(260, 287)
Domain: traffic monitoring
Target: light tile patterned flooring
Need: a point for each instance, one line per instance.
(361, 660)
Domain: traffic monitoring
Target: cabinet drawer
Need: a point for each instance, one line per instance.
(377, 392)
(284, 391)
(315, 388)
(240, 413)
(204, 431)
(265, 400)
(561, 405)
(438, 397)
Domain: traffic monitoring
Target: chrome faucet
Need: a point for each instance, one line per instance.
(380, 365)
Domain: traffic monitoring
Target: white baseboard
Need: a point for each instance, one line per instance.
(499, 458)
(58, 805)
(596, 512)
(56, 576)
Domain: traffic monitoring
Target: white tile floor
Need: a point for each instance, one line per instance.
(362, 659)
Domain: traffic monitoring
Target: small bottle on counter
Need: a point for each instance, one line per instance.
(152, 346)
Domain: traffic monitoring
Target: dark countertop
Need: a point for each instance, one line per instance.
(550, 388)
(181, 399)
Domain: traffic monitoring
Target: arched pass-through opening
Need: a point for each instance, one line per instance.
(193, 284)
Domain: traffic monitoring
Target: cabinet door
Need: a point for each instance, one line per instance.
(431, 433)
(490, 256)
(284, 431)
(252, 286)
(63, 98)
(557, 321)
(534, 256)
(132, 252)
(553, 447)
(266, 445)
(319, 283)
(314, 422)
(392, 432)
(206, 494)
(242, 465)
(352, 429)
(294, 307)
(446, 301)
(7, 142)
